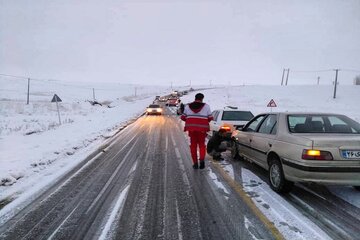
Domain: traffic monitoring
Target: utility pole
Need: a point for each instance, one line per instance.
(318, 81)
(282, 78)
(135, 91)
(210, 83)
(28, 93)
(335, 84)
(287, 76)
(94, 94)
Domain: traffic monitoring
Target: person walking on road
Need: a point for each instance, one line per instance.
(197, 116)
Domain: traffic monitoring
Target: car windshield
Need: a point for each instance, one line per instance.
(237, 115)
(154, 106)
(307, 123)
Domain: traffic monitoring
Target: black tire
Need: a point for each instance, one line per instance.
(357, 187)
(234, 150)
(277, 180)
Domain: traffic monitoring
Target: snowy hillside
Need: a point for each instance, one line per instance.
(35, 148)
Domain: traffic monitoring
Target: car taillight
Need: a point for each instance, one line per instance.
(312, 154)
(226, 128)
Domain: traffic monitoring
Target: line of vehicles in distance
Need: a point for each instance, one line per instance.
(321, 148)
(171, 100)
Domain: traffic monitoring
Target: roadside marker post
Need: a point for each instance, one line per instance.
(271, 104)
(57, 99)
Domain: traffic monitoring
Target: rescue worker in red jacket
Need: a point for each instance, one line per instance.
(197, 116)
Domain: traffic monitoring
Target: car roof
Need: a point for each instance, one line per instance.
(233, 110)
(301, 113)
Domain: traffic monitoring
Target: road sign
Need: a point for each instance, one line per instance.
(56, 98)
(272, 103)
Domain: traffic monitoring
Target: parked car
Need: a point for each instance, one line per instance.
(229, 118)
(172, 102)
(154, 109)
(302, 147)
(163, 99)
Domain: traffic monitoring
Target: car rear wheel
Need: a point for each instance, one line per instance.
(277, 180)
(357, 188)
(234, 150)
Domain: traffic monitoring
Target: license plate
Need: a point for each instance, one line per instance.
(349, 154)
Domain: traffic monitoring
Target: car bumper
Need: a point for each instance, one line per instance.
(334, 172)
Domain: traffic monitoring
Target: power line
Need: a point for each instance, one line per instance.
(305, 71)
(350, 70)
(58, 82)
(8, 75)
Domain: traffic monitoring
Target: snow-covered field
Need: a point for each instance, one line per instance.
(35, 149)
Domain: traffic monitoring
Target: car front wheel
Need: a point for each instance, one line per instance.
(357, 188)
(277, 180)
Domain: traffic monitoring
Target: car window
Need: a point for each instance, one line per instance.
(294, 120)
(154, 106)
(268, 125)
(322, 124)
(252, 126)
(335, 120)
(339, 124)
(237, 115)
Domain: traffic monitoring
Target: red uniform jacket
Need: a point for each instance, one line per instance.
(197, 116)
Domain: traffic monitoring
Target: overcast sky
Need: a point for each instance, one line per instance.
(180, 41)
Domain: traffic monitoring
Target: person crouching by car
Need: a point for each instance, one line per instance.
(216, 144)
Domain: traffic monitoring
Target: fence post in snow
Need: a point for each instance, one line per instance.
(94, 94)
(28, 92)
(335, 83)
(287, 76)
(282, 78)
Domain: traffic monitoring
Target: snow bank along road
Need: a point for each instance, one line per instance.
(142, 186)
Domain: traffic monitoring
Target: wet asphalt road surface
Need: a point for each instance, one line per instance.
(142, 186)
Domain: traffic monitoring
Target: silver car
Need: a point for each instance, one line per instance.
(302, 147)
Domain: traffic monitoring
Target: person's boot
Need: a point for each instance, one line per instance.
(195, 165)
(202, 164)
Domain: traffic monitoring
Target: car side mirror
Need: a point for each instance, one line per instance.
(239, 128)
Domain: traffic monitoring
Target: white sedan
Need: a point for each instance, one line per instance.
(302, 147)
